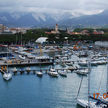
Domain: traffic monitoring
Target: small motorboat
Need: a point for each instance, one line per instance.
(83, 63)
(7, 76)
(63, 64)
(94, 63)
(101, 62)
(63, 73)
(39, 74)
(72, 68)
(14, 70)
(22, 70)
(28, 69)
(69, 63)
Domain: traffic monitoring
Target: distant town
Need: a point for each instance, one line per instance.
(55, 35)
(6, 30)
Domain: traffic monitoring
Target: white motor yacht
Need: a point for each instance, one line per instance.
(82, 71)
(83, 63)
(22, 57)
(53, 73)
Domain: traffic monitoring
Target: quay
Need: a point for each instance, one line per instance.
(26, 64)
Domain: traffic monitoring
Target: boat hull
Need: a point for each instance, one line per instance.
(7, 76)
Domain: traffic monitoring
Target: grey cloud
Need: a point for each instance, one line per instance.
(53, 6)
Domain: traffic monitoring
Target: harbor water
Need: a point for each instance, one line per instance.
(30, 91)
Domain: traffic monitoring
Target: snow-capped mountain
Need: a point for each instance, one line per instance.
(31, 19)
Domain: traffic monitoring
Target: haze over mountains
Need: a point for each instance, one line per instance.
(20, 19)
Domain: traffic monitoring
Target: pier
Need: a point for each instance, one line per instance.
(39, 70)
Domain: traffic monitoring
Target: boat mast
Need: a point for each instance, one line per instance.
(21, 38)
(79, 87)
(89, 68)
(107, 74)
(7, 59)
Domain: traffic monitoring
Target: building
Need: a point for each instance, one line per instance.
(18, 30)
(73, 33)
(56, 31)
(6, 30)
(95, 32)
(1, 28)
(85, 32)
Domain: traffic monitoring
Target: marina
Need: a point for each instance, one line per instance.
(62, 71)
(53, 54)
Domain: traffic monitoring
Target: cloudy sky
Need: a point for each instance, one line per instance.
(54, 6)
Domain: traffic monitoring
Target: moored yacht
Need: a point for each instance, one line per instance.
(83, 63)
(22, 57)
(82, 71)
(53, 73)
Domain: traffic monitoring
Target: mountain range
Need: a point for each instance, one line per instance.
(49, 20)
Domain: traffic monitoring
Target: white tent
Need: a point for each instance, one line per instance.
(41, 39)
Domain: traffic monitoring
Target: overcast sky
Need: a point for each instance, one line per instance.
(54, 6)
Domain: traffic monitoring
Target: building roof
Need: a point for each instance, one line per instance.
(41, 39)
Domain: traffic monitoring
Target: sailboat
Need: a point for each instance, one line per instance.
(95, 103)
(7, 75)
